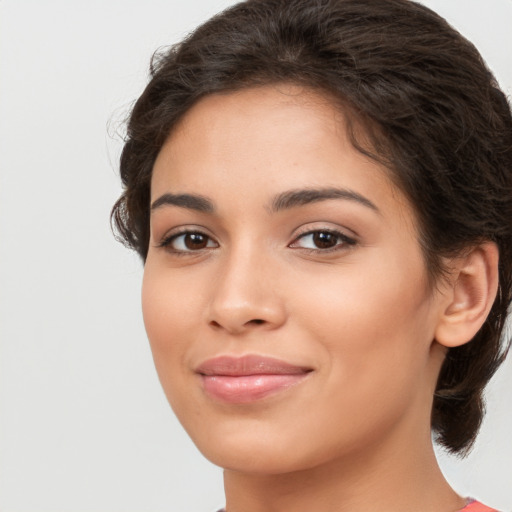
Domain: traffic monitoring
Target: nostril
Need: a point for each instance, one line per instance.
(256, 321)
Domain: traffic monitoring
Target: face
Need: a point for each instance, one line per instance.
(285, 295)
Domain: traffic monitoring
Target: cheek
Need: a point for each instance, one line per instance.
(371, 323)
(155, 309)
(170, 304)
(169, 319)
(374, 335)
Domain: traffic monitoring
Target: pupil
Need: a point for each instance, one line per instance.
(196, 241)
(324, 240)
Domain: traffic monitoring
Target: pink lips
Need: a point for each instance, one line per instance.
(240, 380)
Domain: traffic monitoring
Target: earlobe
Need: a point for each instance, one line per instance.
(470, 295)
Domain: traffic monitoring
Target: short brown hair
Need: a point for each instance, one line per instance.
(432, 111)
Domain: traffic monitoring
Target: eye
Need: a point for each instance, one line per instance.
(188, 241)
(322, 240)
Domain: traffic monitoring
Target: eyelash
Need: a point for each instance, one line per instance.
(167, 242)
(342, 241)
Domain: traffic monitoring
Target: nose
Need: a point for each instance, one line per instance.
(246, 295)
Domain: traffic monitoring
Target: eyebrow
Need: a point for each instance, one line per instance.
(301, 197)
(284, 201)
(189, 201)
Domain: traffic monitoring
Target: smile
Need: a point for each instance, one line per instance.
(240, 380)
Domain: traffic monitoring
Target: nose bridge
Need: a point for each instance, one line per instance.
(245, 294)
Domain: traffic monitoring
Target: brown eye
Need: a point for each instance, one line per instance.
(195, 241)
(189, 241)
(324, 239)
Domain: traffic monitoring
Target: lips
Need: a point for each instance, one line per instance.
(247, 379)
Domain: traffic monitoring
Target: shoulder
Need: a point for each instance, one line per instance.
(475, 506)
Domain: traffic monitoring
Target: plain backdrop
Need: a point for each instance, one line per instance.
(84, 425)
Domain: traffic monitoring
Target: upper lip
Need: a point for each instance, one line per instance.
(234, 366)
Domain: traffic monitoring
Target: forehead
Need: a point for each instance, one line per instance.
(258, 119)
(267, 140)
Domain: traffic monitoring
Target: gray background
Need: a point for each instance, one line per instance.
(84, 425)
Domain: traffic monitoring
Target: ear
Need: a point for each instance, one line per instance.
(469, 295)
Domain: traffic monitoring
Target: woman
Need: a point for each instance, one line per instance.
(321, 191)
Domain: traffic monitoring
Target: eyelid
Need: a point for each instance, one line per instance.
(171, 235)
(313, 227)
(346, 240)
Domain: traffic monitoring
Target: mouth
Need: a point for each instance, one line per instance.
(241, 380)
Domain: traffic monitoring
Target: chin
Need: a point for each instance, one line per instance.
(247, 446)
(256, 459)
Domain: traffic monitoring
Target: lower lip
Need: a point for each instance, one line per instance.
(243, 389)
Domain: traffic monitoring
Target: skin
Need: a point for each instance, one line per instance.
(361, 315)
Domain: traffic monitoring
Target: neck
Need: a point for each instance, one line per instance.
(388, 478)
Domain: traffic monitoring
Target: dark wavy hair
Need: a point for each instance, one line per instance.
(430, 109)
